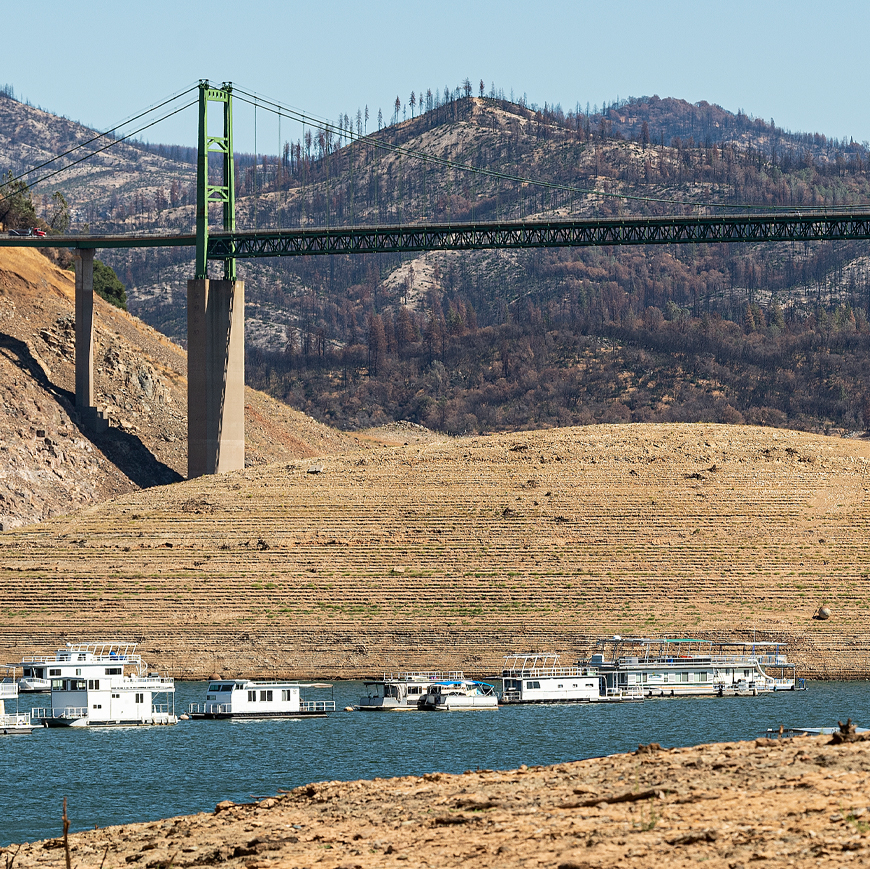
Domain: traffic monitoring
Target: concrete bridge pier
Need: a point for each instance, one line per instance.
(215, 377)
(89, 417)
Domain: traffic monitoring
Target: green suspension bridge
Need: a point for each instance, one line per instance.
(216, 307)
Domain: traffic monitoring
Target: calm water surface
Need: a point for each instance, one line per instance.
(116, 776)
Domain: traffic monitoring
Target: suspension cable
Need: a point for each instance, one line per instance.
(96, 138)
(303, 117)
(110, 145)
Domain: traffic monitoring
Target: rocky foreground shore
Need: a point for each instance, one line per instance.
(801, 802)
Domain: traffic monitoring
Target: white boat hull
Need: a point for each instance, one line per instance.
(34, 686)
(387, 704)
(462, 704)
(85, 722)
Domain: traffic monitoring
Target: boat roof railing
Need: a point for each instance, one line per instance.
(417, 676)
(102, 648)
(539, 664)
(257, 683)
(113, 652)
(526, 657)
(668, 641)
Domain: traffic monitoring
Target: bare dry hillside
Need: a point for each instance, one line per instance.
(455, 553)
(47, 465)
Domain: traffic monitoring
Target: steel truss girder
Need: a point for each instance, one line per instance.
(577, 233)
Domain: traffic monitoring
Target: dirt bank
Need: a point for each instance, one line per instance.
(451, 555)
(800, 802)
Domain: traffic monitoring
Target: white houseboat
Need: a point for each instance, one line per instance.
(537, 678)
(39, 670)
(675, 667)
(400, 692)
(458, 695)
(109, 686)
(244, 698)
(12, 722)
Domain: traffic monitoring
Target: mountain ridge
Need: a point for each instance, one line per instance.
(326, 336)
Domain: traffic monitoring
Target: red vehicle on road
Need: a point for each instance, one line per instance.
(33, 231)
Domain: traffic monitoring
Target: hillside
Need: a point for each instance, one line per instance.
(47, 465)
(483, 341)
(453, 554)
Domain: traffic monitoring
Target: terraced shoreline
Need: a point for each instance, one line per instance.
(454, 554)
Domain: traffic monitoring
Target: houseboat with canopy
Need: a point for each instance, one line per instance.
(678, 667)
(106, 684)
(37, 671)
(538, 678)
(400, 692)
(245, 698)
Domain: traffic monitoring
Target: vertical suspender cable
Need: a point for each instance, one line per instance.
(256, 195)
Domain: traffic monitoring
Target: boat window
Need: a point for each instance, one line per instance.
(287, 694)
(415, 689)
(114, 671)
(533, 685)
(265, 696)
(226, 687)
(391, 691)
(57, 685)
(252, 696)
(78, 684)
(28, 673)
(140, 698)
(684, 677)
(54, 672)
(98, 706)
(93, 684)
(210, 687)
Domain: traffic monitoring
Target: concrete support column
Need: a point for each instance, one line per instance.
(215, 377)
(84, 328)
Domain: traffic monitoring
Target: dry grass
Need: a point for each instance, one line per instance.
(454, 554)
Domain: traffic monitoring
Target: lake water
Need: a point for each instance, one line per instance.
(115, 776)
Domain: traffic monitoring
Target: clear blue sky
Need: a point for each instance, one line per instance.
(802, 63)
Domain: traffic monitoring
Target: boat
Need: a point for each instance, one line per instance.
(537, 678)
(39, 670)
(401, 691)
(12, 722)
(109, 686)
(789, 732)
(244, 698)
(680, 667)
(458, 695)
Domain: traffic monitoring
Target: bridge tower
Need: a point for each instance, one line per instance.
(215, 314)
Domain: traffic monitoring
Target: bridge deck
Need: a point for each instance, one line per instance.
(673, 229)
